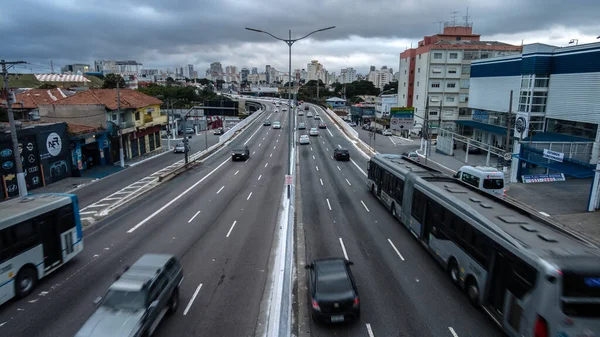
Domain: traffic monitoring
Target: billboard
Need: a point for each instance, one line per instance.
(402, 118)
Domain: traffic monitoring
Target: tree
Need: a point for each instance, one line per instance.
(390, 86)
(204, 81)
(111, 81)
(47, 86)
(170, 81)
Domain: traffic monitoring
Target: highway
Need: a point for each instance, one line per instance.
(218, 219)
(403, 291)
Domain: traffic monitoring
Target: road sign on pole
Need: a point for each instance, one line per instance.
(401, 118)
(507, 156)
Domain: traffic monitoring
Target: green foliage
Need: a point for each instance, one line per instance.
(393, 85)
(182, 97)
(111, 81)
(356, 88)
(47, 86)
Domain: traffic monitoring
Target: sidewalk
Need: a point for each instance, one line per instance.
(564, 201)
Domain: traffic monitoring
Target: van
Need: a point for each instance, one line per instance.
(487, 179)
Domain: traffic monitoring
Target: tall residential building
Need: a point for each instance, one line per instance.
(75, 68)
(254, 70)
(230, 74)
(188, 71)
(314, 70)
(216, 71)
(438, 70)
(381, 77)
(372, 68)
(303, 75)
(347, 75)
(120, 67)
(268, 73)
(244, 74)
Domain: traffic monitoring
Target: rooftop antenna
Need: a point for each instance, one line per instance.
(453, 16)
(440, 24)
(466, 17)
(51, 67)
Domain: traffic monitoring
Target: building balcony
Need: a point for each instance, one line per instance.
(148, 119)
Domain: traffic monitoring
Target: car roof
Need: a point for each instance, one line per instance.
(344, 150)
(141, 272)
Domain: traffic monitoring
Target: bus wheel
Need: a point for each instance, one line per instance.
(26, 281)
(453, 271)
(472, 291)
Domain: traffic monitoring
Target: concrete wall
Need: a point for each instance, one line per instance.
(84, 114)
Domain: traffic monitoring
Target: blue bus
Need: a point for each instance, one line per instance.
(38, 234)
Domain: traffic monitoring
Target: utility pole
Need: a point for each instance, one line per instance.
(13, 129)
(508, 120)
(426, 130)
(121, 154)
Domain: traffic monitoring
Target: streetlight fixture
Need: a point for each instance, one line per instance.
(575, 41)
(289, 42)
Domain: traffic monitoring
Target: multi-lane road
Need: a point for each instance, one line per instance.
(220, 218)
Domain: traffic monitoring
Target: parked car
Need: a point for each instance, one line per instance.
(332, 290)
(180, 148)
(313, 132)
(322, 125)
(341, 154)
(276, 125)
(301, 126)
(240, 154)
(304, 140)
(352, 124)
(387, 132)
(137, 301)
(267, 123)
(190, 130)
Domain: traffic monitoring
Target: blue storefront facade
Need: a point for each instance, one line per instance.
(89, 146)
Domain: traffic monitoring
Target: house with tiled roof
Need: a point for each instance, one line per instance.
(140, 119)
(27, 102)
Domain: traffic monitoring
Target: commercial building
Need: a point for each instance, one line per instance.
(435, 75)
(383, 103)
(555, 116)
(75, 68)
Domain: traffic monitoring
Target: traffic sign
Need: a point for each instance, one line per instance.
(288, 179)
(507, 156)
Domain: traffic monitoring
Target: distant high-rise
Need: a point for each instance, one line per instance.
(216, 71)
(244, 74)
(372, 68)
(254, 71)
(268, 73)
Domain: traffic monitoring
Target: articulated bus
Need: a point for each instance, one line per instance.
(531, 276)
(38, 234)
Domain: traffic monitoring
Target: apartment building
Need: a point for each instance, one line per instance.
(435, 75)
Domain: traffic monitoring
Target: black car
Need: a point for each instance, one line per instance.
(332, 290)
(267, 123)
(219, 132)
(322, 125)
(341, 154)
(306, 108)
(240, 154)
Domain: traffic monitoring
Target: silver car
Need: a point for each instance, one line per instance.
(304, 140)
(138, 300)
(276, 125)
(180, 148)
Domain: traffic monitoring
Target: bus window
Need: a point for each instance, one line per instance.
(493, 184)
(24, 236)
(418, 205)
(399, 194)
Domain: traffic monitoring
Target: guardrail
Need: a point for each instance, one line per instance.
(240, 125)
(349, 130)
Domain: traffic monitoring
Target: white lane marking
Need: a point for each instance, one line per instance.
(358, 167)
(317, 167)
(327, 149)
(246, 142)
(259, 144)
(331, 134)
(266, 164)
(339, 146)
(192, 300)
(277, 141)
(323, 142)
(90, 212)
(314, 157)
(253, 152)
(141, 223)
(271, 155)
(220, 189)
(97, 205)
(331, 157)
(321, 180)
(452, 332)
(370, 331)
(344, 249)
(348, 182)
(274, 147)
(328, 204)
(311, 149)
(236, 172)
(365, 206)
(249, 195)
(338, 168)
(393, 142)
(259, 176)
(230, 229)
(544, 214)
(195, 215)
(264, 138)
(396, 249)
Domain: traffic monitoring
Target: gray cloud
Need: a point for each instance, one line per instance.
(162, 33)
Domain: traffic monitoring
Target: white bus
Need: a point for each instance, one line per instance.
(38, 234)
(531, 276)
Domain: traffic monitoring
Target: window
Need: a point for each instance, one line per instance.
(450, 99)
(453, 56)
(405, 84)
(417, 97)
(137, 115)
(419, 56)
(541, 83)
(433, 113)
(418, 83)
(452, 70)
(419, 70)
(418, 205)
(436, 70)
(114, 117)
(435, 84)
(434, 98)
(403, 96)
(465, 69)
(451, 85)
(404, 72)
(470, 179)
(437, 56)
(464, 84)
(463, 98)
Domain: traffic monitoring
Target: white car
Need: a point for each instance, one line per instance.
(313, 132)
(276, 125)
(179, 148)
(284, 109)
(387, 132)
(300, 113)
(304, 140)
(317, 117)
(309, 115)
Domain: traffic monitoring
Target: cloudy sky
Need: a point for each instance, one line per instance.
(167, 33)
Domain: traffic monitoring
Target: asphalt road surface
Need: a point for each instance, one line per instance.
(403, 291)
(218, 219)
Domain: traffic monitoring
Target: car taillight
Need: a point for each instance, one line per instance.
(504, 193)
(315, 305)
(541, 327)
(356, 301)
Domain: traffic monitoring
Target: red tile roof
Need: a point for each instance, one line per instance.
(78, 129)
(30, 99)
(130, 99)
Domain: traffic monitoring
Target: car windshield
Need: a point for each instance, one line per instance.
(180, 145)
(333, 280)
(125, 300)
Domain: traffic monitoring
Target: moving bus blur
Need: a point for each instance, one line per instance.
(532, 277)
(38, 234)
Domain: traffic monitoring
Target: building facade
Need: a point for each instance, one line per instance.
(383, 103)
(75, 68)
(435, 75)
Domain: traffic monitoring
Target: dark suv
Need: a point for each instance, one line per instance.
(332, 290)
(341, 154)
(138, 300)
(240, 154)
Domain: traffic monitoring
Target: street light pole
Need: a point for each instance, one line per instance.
(121, 154)
(289, 42)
